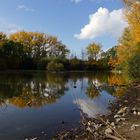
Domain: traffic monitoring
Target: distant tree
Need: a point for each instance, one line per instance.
(30, 50)
(12, 53)
(2, 36)
(59, 50)
(55, 66)
(83, 53)
(38, 44)
(93, 50)
(109, 58)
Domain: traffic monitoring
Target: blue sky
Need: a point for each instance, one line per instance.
(66, 19)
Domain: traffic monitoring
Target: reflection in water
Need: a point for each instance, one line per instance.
(34, 92)
(92, 90)
(40, 100)
(111, 84)
(91, 108)
(39, 89)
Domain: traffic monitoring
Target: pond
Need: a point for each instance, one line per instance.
(40, 104)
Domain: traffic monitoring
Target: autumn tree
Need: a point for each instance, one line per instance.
(2, 36)
(93, 50)
(27, 50)
(131, 35)
(125, 48)
(128, 3)
(38, 44)
(132, 15)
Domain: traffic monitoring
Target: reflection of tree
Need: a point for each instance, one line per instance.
(118, 79)
(35, 90)
(92, 91)
(110, 82)
(2, 104)
(109, 89)
(119, 91)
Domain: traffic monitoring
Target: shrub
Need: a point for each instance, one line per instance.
(75, 64)
(55, 66)
(42, 63)
(28, 64)
(3, 65)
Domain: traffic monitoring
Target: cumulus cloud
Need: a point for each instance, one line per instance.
(25, 8)
(103, 22)
(7, 27)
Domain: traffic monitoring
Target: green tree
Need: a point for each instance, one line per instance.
(12, 53)
(109, 58)
(134, 64)
(55, 66)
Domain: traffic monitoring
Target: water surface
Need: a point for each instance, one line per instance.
(34, 104)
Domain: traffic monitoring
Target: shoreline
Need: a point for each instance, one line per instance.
(123, 123)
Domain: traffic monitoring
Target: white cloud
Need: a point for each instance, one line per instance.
(103, 22)
(76, 1)
(25, 8)
(95, 1)
(7, 27)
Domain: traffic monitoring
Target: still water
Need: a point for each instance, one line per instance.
(34, 104)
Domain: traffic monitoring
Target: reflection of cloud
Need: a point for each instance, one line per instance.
(91, 108)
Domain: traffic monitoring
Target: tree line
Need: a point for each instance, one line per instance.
(35, 50)
(26, 50)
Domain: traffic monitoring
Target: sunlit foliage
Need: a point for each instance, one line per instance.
(93, 50)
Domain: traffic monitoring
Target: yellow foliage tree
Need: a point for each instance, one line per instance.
(125, 48)
(131, 35)
(93, 50)
(132, 14)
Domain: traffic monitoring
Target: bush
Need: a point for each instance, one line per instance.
(75, 64)
(3, 65)
(28, 64)
(55, 66)
(134, 65)
(42, 63)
